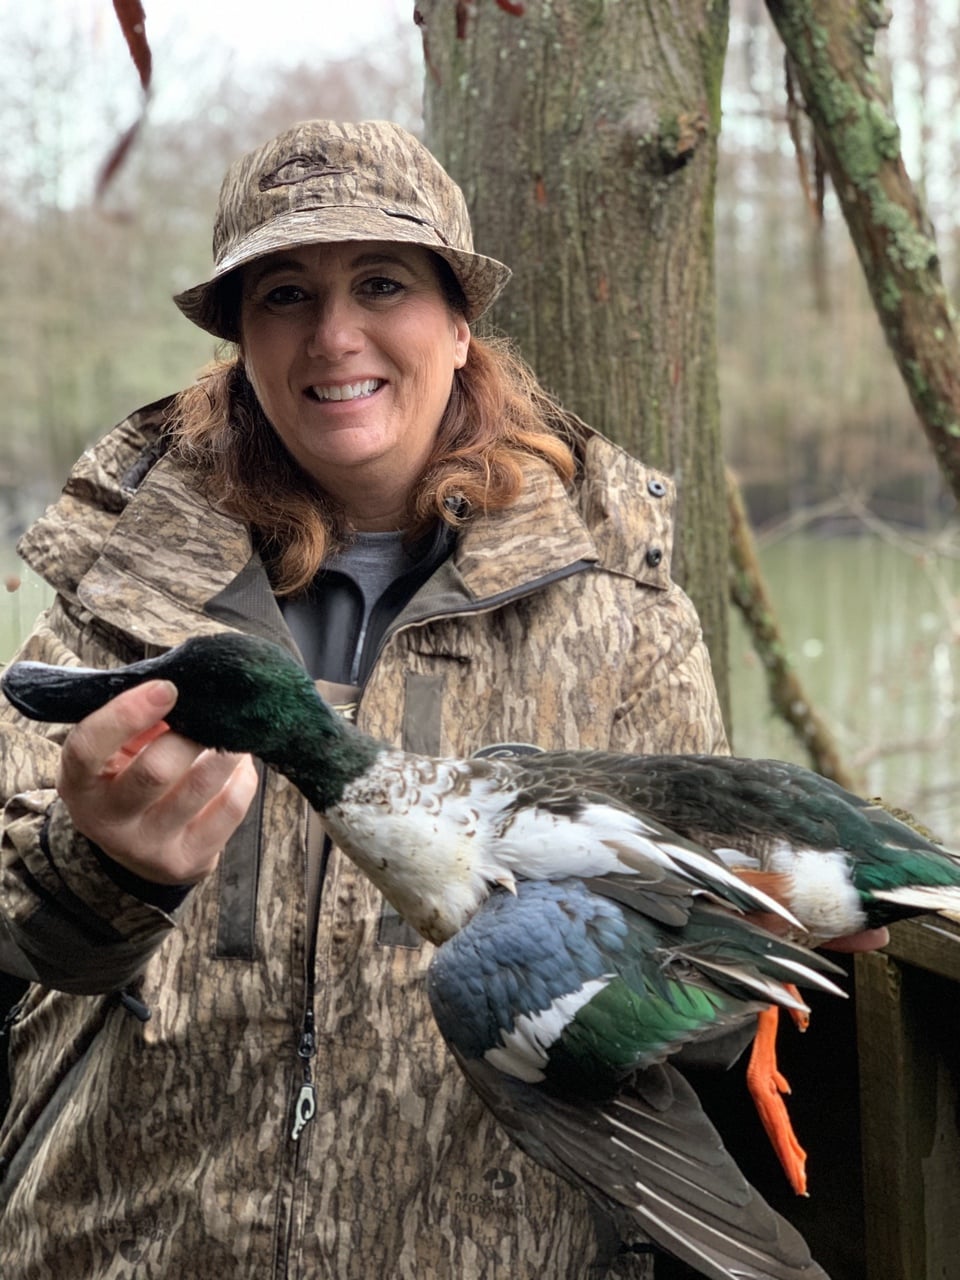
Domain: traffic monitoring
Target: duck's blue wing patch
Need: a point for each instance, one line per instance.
(524, 967)
(564, 987)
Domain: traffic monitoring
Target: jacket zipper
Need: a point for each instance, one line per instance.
(306, 1104)
(305, 1107)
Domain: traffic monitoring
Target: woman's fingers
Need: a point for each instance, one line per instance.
(216, 822)
(154, 801)
(91, 747)
(179, 838)
(191, 781)
(148, 778)
(131, 749)
(868, 940)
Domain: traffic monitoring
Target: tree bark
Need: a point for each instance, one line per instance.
(584, 136)
(830, 47)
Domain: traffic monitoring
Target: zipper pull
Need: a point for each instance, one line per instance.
(305, 1109)
(306, 1105)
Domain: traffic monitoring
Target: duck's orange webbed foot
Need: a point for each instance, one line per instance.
(767, 1086)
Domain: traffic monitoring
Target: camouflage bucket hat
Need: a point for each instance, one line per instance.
(322, 182)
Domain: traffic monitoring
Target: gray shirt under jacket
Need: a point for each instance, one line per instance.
(339, 621)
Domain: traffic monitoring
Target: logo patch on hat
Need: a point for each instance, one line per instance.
(301, 169)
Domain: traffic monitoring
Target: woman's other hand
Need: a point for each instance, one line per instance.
(868, 940)
(155, 802)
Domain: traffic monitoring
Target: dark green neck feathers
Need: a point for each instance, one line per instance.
(240, 693)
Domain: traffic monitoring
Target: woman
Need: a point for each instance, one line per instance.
(226, 1063)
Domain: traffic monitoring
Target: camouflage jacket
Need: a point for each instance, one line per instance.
(163, 1147)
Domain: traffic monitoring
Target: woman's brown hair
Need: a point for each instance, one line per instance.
(497, 419)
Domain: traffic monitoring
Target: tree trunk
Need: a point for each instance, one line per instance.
(584, 136)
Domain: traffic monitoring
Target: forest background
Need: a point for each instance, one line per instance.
(858, 535)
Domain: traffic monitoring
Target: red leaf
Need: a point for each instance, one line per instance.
(133, 24)
(116, 158)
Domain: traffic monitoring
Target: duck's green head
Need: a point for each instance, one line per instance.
(235, 692)
(241, 693)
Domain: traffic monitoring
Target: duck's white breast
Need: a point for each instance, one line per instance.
(416, 827)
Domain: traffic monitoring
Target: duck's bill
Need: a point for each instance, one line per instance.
(64, 695)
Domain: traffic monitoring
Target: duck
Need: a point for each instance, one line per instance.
(597, 918)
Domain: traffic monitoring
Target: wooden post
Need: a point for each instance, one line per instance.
(908, 1001)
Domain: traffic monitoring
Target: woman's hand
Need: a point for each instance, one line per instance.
(155, 802)
(868, 940)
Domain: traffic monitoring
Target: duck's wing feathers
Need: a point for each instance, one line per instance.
(712, 799)
(560, 1004)
(558, 817)
(765, 808)
(555, 983)
(653, 1151)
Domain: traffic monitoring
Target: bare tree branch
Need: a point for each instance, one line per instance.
(831, 47)
(133, 24)
(749, 593)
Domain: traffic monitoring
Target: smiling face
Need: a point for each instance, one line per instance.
(351, 349)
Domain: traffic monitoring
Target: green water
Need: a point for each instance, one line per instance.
(873, 629)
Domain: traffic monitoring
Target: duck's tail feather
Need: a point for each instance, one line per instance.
(652, 1155)
(765, 987)
(709, 873)
(751, 963)
(918, 897)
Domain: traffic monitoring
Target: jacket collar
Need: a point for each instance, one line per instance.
(619, 517)
(154, 569)
(540, 535)
(159, 561)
